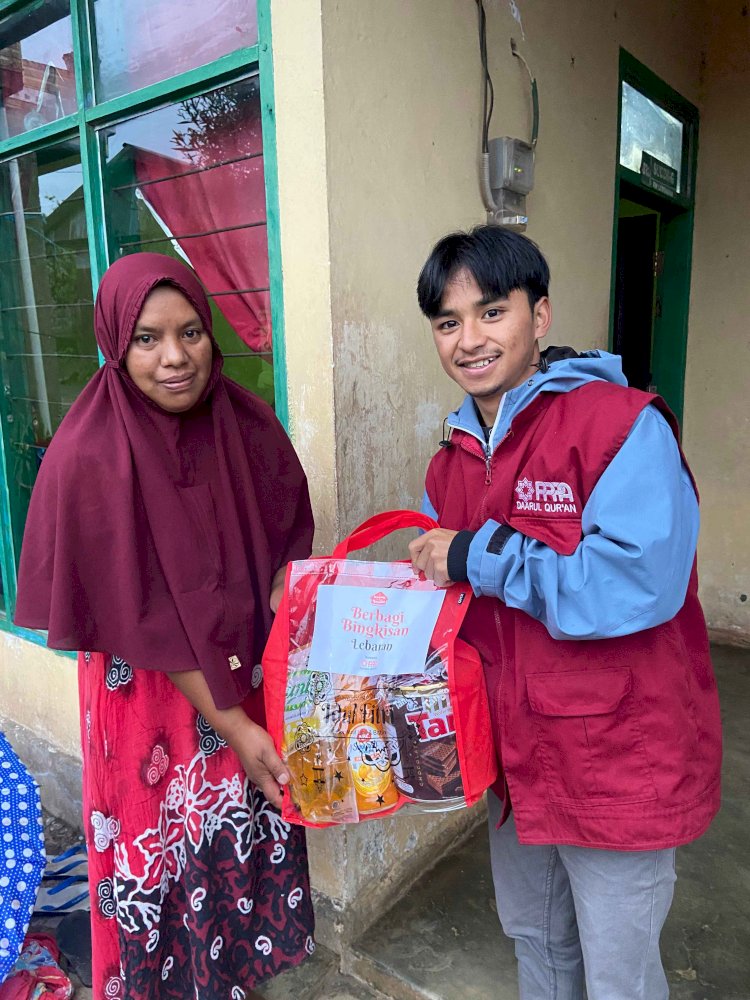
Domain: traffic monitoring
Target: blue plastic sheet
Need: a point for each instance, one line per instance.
(22, 857)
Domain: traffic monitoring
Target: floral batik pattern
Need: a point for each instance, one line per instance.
(209, 740)
(199, 888)
(119, 673)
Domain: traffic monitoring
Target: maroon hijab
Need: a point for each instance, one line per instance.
(156, 536)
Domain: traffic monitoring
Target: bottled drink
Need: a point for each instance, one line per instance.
(320, 782)
(370, 753)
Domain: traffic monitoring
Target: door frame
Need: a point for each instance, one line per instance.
(676, 231)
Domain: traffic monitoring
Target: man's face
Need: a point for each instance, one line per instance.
(488, 346)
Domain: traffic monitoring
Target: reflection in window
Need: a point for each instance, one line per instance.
(37, 81)
(145, 41)
(47, 346)
(646, 127)
(187, 180)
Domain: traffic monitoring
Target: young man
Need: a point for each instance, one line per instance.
(564, 499)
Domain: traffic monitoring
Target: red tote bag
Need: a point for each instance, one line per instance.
(372, 699)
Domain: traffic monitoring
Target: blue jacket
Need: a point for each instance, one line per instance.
(640, 525)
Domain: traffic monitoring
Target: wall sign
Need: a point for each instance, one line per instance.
(658, 176)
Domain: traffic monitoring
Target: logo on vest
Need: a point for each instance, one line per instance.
(547, 498)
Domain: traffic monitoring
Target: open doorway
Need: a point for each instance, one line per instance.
(637, 262)
(652, 245)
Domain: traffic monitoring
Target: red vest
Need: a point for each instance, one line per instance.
(610, 743)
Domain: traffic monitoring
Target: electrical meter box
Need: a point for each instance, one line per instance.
(511, 165)
(511, 177)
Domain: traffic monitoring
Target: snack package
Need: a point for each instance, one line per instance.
(372, 699)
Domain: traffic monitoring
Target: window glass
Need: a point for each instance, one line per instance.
(144, 41)
(47, 345)
(187, 180)
(646, 127)
(37, 80)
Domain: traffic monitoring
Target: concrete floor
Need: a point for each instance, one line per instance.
(318, 978)
(443, 941)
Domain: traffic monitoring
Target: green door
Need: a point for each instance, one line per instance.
(653, 231)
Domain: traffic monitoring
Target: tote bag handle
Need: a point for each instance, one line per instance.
(380, 526)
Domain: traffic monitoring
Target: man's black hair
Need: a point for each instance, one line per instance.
(499, 260)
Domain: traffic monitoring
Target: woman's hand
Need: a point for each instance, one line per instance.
(275, 600)
(250, 742)
(262, 764)
(277, 589)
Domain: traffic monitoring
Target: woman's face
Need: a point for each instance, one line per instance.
(170, 352)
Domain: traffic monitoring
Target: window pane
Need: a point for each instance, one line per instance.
(187, 180)
(145, 41)
(37, 81)
(648, 128)
(47, 346)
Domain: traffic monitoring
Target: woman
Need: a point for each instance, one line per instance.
(165, 511)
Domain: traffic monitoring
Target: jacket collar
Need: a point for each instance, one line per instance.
(566, 370)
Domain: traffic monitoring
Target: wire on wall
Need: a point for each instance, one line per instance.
(534, 94)
(506, 165)
(488, 102)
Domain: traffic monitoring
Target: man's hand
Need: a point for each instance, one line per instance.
(429, 553)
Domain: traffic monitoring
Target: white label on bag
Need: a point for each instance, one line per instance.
(365, 631)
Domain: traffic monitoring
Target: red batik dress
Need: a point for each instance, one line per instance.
(198, 888)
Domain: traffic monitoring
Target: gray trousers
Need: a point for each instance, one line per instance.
(581, 914)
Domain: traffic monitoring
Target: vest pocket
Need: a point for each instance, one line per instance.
(589, 738)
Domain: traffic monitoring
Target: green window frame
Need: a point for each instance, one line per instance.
(652, 86)
(83, 125)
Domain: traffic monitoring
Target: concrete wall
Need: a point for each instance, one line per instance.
(39, 715)
(717, 417)
(303, 202)
(39, 691)
(573, 49)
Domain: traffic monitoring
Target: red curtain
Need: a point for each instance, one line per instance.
(215, 208)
